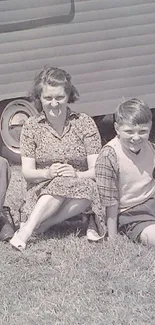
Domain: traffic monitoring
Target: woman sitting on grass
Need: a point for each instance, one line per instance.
(59, 148)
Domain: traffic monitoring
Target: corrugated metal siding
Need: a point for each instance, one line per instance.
(107, 46)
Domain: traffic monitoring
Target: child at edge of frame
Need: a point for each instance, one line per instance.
(124, 174)
(6, 228)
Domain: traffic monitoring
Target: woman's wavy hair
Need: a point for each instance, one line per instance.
(53, 77)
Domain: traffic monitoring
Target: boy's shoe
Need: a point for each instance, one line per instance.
(6, 230)
(92, 235)
(8, 216)
(92, 230)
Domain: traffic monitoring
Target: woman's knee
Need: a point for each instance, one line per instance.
(147, 236)
(85, 203)
(49, 199)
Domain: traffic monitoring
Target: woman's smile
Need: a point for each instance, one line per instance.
(54, 111)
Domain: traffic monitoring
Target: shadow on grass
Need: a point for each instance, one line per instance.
(65, 229)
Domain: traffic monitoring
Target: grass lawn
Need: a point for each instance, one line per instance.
(61, 279)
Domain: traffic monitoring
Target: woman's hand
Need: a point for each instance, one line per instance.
(54, 170)
(66, 170)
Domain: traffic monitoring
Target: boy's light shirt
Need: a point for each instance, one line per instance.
(136, 183)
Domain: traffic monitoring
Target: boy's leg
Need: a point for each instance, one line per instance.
(6, 230)
(147, 236)
(138, 223)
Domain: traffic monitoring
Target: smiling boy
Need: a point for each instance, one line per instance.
(124, 174)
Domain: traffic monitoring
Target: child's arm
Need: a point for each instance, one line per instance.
(111, 214)
(106, 171)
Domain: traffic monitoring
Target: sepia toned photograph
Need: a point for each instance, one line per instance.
(77, 162)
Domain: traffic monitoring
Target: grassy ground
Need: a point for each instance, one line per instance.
(61, 279)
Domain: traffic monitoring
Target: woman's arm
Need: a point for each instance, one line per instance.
(68, 170)
(34, 175)
(28, 148)
(90, 173)
(31, 174)
(92, 144)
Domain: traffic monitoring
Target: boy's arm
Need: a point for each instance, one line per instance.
(111, 214)
(106, 172)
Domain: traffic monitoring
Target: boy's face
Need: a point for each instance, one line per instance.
(132, 137)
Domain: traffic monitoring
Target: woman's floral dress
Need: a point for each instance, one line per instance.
(79, 139)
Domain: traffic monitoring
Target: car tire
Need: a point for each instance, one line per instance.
(9, 144)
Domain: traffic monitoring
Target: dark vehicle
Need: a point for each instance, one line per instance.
(107, 46)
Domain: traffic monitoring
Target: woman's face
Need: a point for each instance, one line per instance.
(54, 100)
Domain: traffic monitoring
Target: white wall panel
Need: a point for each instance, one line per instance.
(107, 45)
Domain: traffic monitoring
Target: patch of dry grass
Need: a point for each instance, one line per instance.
(61, 279)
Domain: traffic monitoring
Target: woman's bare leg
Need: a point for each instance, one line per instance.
(46, 206)
(147, 236)
(72, 208)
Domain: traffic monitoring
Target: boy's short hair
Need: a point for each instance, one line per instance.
(133, 111)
